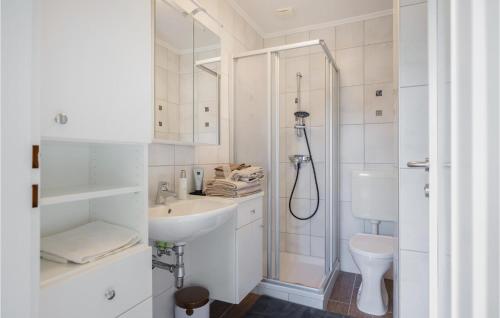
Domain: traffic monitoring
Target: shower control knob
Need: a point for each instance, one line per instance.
(61, 118)
(110, 294)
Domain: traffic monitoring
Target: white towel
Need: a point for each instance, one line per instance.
(248, 174)
(87, 243)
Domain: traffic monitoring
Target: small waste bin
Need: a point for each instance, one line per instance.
(192, 302)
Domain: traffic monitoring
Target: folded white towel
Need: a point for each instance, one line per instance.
(230, 184)
(87, 243)
(247, 174)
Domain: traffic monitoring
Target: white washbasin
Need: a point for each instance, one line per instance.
(184, 220)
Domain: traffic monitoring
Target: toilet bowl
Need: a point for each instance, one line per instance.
(373, 254)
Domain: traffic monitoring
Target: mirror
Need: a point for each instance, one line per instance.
(206, 85)
(187, 78)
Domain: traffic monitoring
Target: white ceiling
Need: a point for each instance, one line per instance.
(261, 13)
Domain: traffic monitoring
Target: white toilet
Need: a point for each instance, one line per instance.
(374, 198)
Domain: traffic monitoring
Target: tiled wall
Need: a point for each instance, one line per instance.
(166, 161)
(363, 52)
(167, 89)
(174, 109)
(413, 145)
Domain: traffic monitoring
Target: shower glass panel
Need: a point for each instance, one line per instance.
(287, 97)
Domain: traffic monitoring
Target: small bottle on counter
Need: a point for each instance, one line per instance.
(183, 191)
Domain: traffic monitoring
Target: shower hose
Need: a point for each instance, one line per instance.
(295, 185)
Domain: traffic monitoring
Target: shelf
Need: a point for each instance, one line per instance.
(52, 272)
(71, 194)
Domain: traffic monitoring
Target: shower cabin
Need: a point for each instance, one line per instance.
(286, 119)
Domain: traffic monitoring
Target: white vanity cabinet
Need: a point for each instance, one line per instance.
(228, 260)
(95, 69)
(248, 247)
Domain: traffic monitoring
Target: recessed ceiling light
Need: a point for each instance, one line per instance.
(283, 11)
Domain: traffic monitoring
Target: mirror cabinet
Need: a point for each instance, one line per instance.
(187, 78)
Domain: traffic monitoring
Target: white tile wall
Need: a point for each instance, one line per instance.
(352, 144)
(350, 64)
(351, 105)
(364, 56)
(374, 103)
(413, 127)
(413, 211)
(379, 143)
(349, 35)
(363, 53)
(413, 122)
(378, 30)
(414, 288)
(413, 45)
(378, 63)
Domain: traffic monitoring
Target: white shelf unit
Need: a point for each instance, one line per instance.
(83, 182)
(78, 193)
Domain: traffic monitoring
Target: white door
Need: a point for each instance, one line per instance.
(440, 159)
(19, 226)
(464, 120)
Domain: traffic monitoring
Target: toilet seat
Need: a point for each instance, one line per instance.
(372, 246)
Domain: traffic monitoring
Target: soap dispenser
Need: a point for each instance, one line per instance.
(183, 191)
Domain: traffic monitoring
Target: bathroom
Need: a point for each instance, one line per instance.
(236, 158)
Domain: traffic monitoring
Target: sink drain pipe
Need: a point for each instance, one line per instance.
(162, 248)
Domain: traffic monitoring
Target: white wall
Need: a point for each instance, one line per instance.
(363, 53)
(166, 161)
(413, 145)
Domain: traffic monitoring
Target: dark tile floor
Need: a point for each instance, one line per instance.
(345, 293)
(342, 300)
(220, 309)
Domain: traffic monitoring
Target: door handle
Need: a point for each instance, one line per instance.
(419, 164)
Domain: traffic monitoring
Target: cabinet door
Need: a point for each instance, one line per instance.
(95, 69)
(249, 258)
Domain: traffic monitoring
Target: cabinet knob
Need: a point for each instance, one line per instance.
(252, 211)
(110, 294)
(61, 118)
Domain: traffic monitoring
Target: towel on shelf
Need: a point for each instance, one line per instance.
(87, 243)
(234, 166)
(249, 174)
(240, 185)
(216, 192)
(236, 190)
(223, 172)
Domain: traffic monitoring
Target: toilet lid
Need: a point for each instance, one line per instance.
(376, 246)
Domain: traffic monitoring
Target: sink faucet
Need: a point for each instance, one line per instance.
(163, 192)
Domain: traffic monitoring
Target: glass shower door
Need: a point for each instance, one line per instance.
(271, 86)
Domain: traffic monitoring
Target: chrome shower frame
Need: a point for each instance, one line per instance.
(273, 162)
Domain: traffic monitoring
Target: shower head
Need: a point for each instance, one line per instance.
(301, 114)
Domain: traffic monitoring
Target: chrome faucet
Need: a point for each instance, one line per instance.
(164, 192)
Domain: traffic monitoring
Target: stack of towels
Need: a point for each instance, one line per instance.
(87, 243)
(235, 180)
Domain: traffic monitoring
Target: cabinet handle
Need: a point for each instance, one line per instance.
(61, 119)
(110, 294)
(34, 195)
(35, 149)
